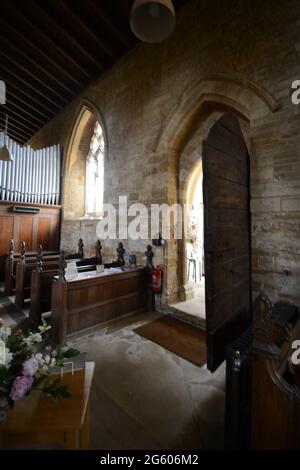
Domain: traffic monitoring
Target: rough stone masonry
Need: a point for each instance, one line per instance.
(157, 104)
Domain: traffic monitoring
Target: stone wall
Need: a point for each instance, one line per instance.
(225, 54)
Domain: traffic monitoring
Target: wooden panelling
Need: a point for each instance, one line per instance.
(26, 231)
(43, 237)
(88, 301)
(42, 228)
(6, 232)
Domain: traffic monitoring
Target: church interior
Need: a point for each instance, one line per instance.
(150, 225)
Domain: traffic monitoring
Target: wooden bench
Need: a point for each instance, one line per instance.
(41, 282)
(91, 300)
(26, 267)
(12, 261)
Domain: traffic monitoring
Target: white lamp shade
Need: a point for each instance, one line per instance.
(5, 154)
(153, 21)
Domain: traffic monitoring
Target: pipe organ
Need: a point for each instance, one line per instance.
(33, 176)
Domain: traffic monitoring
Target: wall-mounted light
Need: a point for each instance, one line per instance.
(152, 21)
(5, 153)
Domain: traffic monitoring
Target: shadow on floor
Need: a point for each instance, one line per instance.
(145, 397)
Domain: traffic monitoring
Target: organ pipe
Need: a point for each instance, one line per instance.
(33, 176)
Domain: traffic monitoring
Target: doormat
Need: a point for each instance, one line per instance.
(184, 340)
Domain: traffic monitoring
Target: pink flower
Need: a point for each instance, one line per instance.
(20, 387)
(30, 366)
(1, 322)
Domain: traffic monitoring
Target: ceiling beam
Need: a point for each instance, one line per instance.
(14, 128)
(104, 46)
(17, 129)
(15, 135)
(13, 79)
(11, 97)
(97, 10)
(12, 105)
(22, 41)
(52, 45)
(51, 50)
(33, 76)
(18, 118)
(17, 139)
(47, 18)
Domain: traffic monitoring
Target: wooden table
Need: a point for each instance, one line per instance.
(40, 421)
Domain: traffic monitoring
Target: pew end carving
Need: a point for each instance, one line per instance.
(23, 251)
(150, 267)
(149, 257)
(121, 253)
(9, 270)
(99, 252)
(39, 259)
(80, 248)
(62, 266)
(275, 391)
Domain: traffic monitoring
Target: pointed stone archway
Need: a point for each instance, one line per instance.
(197, 110)
(73, 194)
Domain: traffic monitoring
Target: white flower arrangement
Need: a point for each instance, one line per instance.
(22, 369)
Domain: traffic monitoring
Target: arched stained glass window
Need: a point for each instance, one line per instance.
(95, 173)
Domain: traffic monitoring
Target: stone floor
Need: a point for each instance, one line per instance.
(192, 311)
(145, 397)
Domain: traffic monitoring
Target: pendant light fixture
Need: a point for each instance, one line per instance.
(152, 21)
(5, 153)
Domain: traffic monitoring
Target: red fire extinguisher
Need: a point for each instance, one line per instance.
(156, 285)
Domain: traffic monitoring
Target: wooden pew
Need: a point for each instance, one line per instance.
(26, 266)
(275, 378)
(23, 277)
(13, 259)
(41, 282)
(88, 301)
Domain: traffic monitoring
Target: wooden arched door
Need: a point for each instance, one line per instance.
(227, 243)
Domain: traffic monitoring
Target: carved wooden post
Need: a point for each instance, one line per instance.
(80, 248)
(61, 265)
(149, 255)
(20, 277)
(11, 249)
(22, 251)
(39, 259)
(9, 270)
(99, 252)
(35, 314)
(274, 327)
(59, 317)
(151, 298)
(121, 252)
